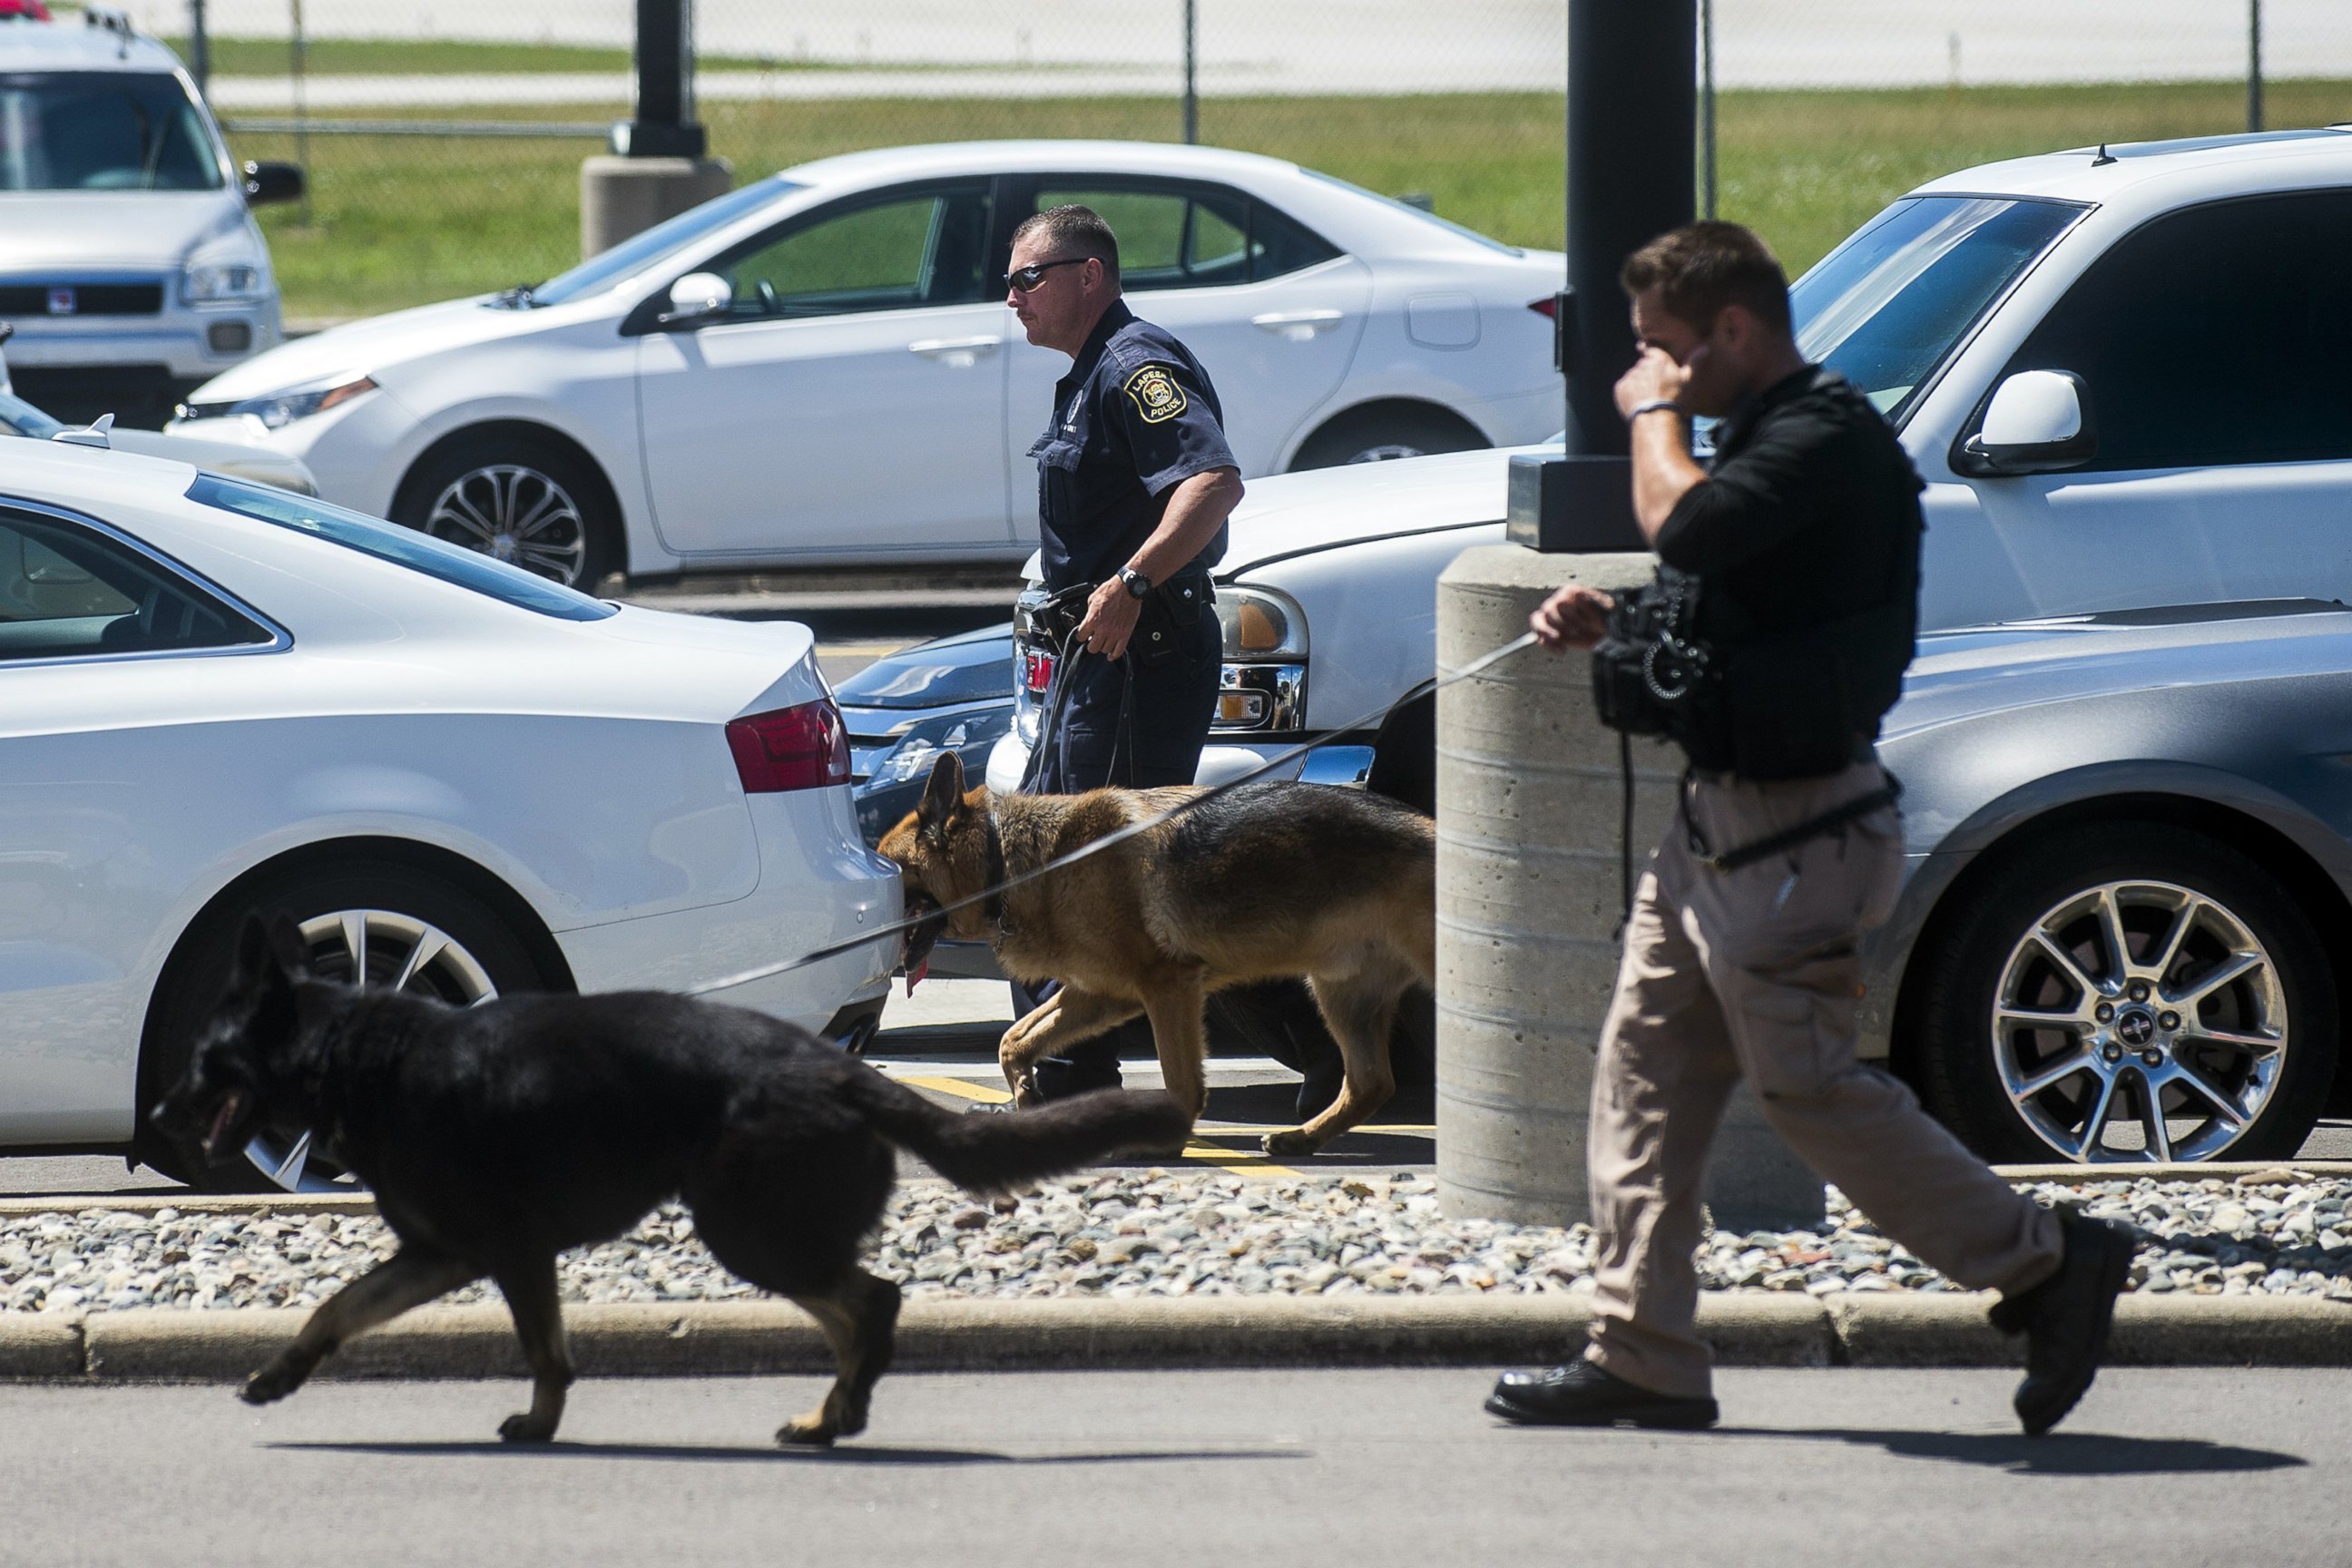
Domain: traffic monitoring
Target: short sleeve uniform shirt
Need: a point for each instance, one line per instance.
(1135, 417)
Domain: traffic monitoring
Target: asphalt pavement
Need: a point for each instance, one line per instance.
(1820, 1468)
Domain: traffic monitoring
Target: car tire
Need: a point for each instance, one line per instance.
(518, 499)
(410, 924)
(1378, 434)
(2001, 1012)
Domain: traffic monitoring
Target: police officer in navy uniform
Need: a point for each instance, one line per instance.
(1134, 483)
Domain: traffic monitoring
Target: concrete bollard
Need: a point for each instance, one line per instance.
(1528, 904)
(622, 196)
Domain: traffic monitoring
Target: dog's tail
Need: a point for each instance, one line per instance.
(994, 1154)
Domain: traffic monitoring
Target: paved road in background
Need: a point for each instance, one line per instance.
(1357, 1468)
(1066, 48)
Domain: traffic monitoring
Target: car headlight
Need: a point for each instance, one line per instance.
(1263, 686)
(921, 746)
(279, 409)
(208, 282)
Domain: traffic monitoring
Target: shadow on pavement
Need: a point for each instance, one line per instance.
(857, 1455)
(2059, 1453)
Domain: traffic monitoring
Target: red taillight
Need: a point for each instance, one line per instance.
(1041, 671)
(1548, 307)
(805, 747)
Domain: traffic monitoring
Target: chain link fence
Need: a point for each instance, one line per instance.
(444, 140)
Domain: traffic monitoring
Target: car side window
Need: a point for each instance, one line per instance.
(899, 252)
(2216, 335)
(1195, 236)
(69, 592)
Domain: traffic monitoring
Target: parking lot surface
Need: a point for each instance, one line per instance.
(1368, 1468)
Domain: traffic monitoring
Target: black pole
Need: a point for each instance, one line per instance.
(200, 49)
(1706, 99)
(1631, 130)
(1191, 73)
(664, 126)
(2254, 65)
(1631, 125)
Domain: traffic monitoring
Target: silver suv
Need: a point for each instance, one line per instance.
(129, 262)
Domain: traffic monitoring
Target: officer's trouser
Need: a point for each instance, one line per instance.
(1755, 973)
(1141, 727)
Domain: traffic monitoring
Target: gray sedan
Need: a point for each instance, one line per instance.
(2129, 865)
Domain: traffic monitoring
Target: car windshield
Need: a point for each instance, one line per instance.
(1891, 303)
(400, 547)
(102, 131)
(635, 254)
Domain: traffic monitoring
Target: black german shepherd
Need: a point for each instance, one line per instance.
(496, 1137)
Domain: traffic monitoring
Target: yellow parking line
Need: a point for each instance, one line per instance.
(964, 1089)
(1207, 1154)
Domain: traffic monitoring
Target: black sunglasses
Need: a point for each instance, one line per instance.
(1022, 280)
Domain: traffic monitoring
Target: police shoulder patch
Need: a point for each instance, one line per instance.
(1156, 394)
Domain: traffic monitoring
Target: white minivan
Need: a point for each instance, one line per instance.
(130, 264)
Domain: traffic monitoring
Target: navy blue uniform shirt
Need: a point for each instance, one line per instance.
(1135, 417)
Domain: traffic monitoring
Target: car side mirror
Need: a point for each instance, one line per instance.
(697, 297)
(269, 182)
(2038, 422)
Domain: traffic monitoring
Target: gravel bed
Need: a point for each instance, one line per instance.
(1153, 1232)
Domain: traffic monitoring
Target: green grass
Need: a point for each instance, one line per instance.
(398, 221)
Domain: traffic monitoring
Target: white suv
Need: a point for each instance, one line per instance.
(128, 263)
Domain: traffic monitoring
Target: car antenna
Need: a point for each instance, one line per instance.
(2105, 156)
(95, 434)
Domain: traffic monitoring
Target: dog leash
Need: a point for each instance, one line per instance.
(1280, 759)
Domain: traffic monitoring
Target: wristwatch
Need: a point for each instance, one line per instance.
(1652, 406)
(1135, 584)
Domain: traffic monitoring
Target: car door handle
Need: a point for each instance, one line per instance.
(956, 351)
(1296, 325)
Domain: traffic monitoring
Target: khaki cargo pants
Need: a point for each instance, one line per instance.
(1755, 973)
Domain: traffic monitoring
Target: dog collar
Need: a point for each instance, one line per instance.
(993, 871)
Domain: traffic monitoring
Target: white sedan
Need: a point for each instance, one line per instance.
(819, 367)
(460, 777)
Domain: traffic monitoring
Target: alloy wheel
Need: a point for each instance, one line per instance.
(513, 513)
(382, 948)
(2139, 1021)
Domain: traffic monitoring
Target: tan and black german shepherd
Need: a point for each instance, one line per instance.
(1336, 886)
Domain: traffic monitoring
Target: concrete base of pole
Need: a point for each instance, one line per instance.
(1529, 899)
(622, 197)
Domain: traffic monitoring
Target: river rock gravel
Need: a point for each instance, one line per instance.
(1161, 1233)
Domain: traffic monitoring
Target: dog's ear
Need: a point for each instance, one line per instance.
(252, 949)
(942, 798)
(287, 948)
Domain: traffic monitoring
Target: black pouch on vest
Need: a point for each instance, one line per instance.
(1168, 629)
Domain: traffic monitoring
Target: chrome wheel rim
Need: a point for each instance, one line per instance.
(381, 948)
(2139, 1021)
(515, 514)
(1388, 452)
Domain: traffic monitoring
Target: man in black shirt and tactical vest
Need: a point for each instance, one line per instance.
(1799, 557)
(1134, 484)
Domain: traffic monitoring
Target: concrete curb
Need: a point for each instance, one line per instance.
(1747, 1327)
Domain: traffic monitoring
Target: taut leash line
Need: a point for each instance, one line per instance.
(1280, 759)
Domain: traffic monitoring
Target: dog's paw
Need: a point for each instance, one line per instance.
(271, 1384)
(1290, 1140)
(805, 1432)
(1026, 1096)
(521, 1428)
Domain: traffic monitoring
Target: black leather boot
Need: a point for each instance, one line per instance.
(1581, 1395)
(2065, 1319)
